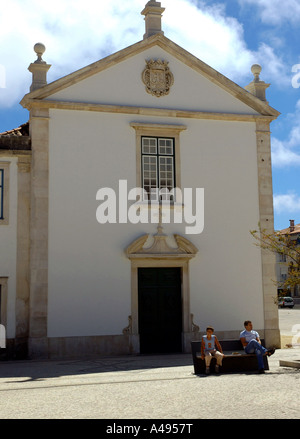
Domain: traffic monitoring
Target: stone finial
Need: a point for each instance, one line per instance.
(39, 49)
(39, 68)
(153, 14)
(257, 87)
(256, 70)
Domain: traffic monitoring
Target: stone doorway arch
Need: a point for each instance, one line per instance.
(161, 250)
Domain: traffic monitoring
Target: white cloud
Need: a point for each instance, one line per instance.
(219, 41)
(275, 69)
(77, 33)
(210, 35)
(287, 152)
(276, 11)
(283, 155)
(287, 203)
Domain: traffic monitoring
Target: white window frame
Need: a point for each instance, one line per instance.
(4, 192)
(161, 131)
(153, 159)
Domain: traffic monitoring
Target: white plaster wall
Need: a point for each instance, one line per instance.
(226, 277)
(89, 275)
(8, 246)
(121, 84)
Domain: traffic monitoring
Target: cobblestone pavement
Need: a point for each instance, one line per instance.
(146, 387)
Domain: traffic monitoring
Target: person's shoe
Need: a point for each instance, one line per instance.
(261, 371)
(270, 352)
(217, 369)
(207, 371)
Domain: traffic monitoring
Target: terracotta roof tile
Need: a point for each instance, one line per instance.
(287, 230)
(22, 130)
(17, 139)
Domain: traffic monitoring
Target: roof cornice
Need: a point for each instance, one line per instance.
(30, 104)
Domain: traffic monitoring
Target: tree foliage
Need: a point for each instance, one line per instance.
(286, 245)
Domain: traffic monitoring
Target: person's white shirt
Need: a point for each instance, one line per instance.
(249, 335)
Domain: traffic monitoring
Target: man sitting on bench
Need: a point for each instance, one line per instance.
(252, 344)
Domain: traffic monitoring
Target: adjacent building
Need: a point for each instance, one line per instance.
(283, 262)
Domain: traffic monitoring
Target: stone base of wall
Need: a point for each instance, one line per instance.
(71, 347)
(273, 339)
(105, 345)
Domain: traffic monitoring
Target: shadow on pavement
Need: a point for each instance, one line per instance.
(31, 370)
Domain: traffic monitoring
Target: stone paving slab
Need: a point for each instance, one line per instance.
(146, 387)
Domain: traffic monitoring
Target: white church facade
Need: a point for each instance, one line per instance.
(99, 254)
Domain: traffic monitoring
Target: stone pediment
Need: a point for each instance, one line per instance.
(160, 247)
(43, 97)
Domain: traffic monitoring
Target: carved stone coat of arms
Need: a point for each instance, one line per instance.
(157, 77)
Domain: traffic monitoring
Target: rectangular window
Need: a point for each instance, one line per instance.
(282, 258)
(3, 300)
(158, 160)
(4, 192)
(1, 194)
(158, 167)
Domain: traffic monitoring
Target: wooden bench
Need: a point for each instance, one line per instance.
(235, 360)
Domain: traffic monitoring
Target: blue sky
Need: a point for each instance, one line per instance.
(229, 35)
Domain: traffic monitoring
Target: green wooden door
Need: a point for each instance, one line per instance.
(160, 310)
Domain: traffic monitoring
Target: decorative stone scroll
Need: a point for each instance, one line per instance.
(161, 248)
(157, 77)
(128, 329)
(195, 328)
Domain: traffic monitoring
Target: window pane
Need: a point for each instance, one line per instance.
(149, 175)
(149, 145)
(165, 146)
(158, 166)
(166, 176)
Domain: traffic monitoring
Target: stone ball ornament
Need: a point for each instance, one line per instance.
(39, 49)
